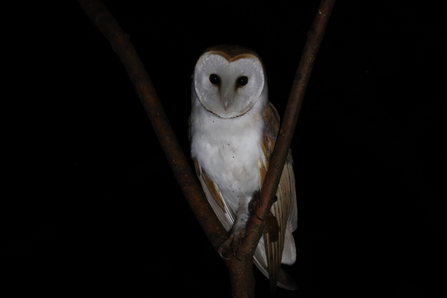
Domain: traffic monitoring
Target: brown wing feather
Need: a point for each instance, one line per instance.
(282, 210)
(210, 186)
(214, 197)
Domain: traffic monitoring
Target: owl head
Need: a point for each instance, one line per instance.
(229, 80)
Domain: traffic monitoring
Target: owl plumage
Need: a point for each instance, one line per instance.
(233, 129)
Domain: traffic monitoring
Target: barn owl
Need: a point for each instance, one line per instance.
(233, 129)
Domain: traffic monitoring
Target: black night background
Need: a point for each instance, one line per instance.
(91, 208)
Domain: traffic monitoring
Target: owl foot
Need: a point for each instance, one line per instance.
(253, 203)
(231, 245)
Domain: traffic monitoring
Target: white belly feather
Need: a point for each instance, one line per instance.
(229, 151)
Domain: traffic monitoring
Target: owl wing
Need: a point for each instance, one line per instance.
(214, 197)
(278, 240)
(225, 215)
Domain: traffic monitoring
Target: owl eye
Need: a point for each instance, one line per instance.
(214, 79)
(242, 81)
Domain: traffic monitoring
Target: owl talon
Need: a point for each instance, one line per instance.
(253, 203)
(255, 215)
(236, 256)
(231, 246)
(222, 252)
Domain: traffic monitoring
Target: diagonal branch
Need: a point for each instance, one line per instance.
(186, 178)
(279, 155)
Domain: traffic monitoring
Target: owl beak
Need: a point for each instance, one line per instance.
(227, 96)
(226, 102)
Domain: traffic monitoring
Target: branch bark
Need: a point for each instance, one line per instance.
(279, 155)
(241, 271)
(185, 176)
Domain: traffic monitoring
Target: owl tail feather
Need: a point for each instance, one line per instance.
(285, 281)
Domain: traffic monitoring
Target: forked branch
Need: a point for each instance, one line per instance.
(241, 271)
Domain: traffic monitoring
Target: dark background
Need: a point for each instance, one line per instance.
(91, 208)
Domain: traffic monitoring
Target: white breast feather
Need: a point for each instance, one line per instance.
(229, 150)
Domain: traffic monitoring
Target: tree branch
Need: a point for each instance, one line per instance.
(186, 178)
(279, 155)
